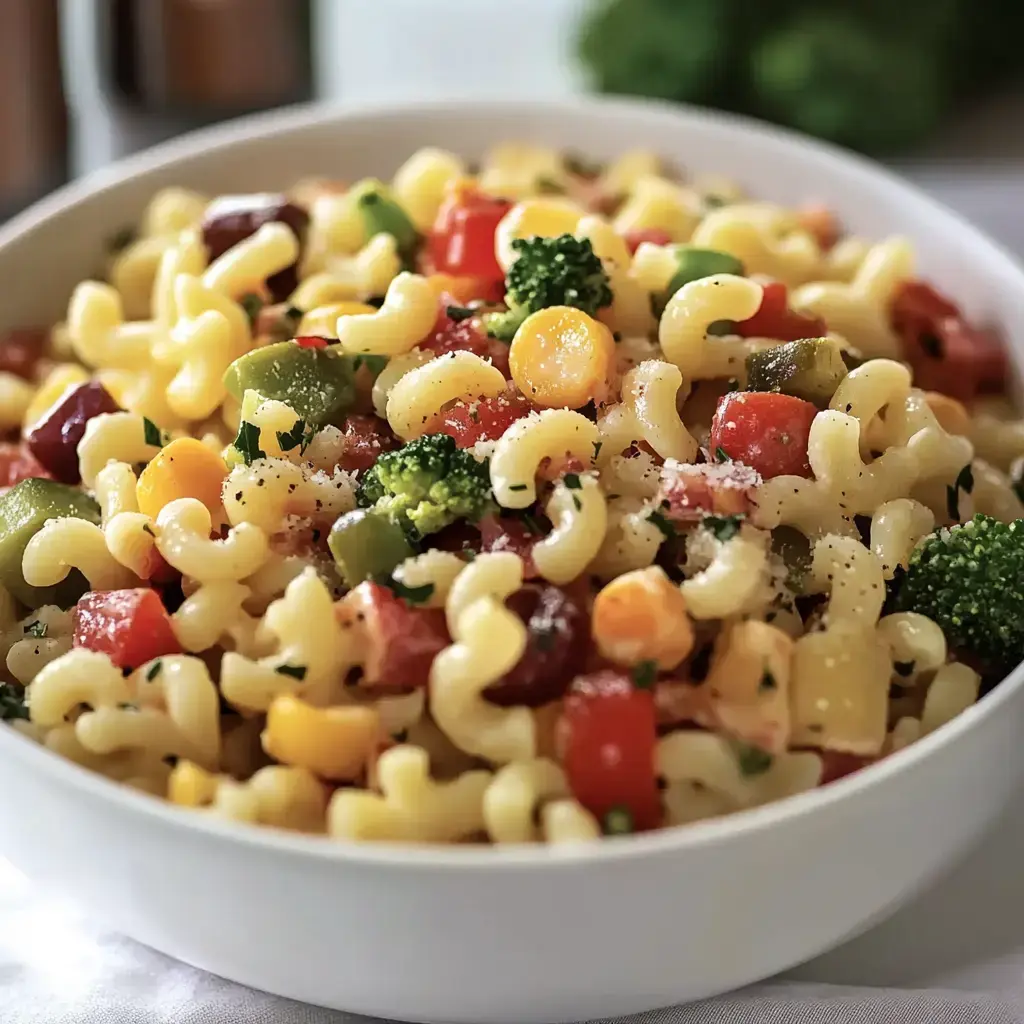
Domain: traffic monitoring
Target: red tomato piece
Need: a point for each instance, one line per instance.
(364, 438)
(401, 640)
(765, 431)
(130, 626)
(21, 349)
(609, 737)
(484, 419)
(504, 533)
(634, 239)
(465, 336)
(688, 493)
(835, 765)
(17, 464)
(311, 341)
(946, 353)
(776, 320)
(461, 241)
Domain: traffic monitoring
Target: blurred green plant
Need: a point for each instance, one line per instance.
(873, 75)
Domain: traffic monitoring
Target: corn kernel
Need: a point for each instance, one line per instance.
(186, 468)
(461, 289)
(322, 321)
(191, 786)
(641, 616)
(560, 357)
(333, 743)
(545, 217)
(950, 413)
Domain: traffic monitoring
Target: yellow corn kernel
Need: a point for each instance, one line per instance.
(191, 786)
(59, 379)
(186, 468)
(641, 616)
(333, 743)
(950, 413)
(546, 217)
(322, 321)
(560, 357)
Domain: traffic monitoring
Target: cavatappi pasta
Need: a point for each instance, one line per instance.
(531, 504)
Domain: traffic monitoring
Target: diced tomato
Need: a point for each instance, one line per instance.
(21, 349)
(765, 431)
(17, 464)
(688, 493)
(504, 533)
(464, 336)
(946, 353)
(776, 320)
(401, 640)
(484, 419)
(634, 239)
(609, 737)
(835, 765)
(365, 438)
(461, 241)
(311, 341)
(130, 626)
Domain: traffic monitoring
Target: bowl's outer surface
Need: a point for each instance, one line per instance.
(526, 935)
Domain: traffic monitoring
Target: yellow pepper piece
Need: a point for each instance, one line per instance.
(186, 468)
(461, 289)
(641, 616)
(322, 321)
(333, 743)
(560, 357)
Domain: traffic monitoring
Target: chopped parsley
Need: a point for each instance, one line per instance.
(459, 313)
(517, 487)
(572, 481)
(767, 682)
(644, 674)
(151, 433)
(576, 501)
(248, 442)
(252, 304)
(146, 528)
(374, 364)
(36, 629)
(618, 821)
(964, 482)
(154, 670)
(12, 702)
(721, 455)
(411, 595)
(295, 671)
(598, 445)
(300, 436)
(753, 760)
(722, 528)
(662, 523)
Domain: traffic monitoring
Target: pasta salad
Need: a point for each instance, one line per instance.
(533, 501)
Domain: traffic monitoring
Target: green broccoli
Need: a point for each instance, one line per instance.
(12, 702)
(969, 579)
(426, 485)
(562, 271)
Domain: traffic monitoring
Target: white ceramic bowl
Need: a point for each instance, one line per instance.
(528, 934)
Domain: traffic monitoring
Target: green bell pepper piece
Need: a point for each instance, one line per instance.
(23, 511)
(318, 383)
(697, 263)
(366, 546)
(382, 215)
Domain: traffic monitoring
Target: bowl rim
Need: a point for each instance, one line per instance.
(436, 857)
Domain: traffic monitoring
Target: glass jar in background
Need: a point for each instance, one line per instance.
(33, 114)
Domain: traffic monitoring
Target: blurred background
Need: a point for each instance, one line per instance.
(935, 87)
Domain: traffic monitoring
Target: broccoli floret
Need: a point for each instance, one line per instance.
(562, 271)
(969, 579)
(426, 485)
